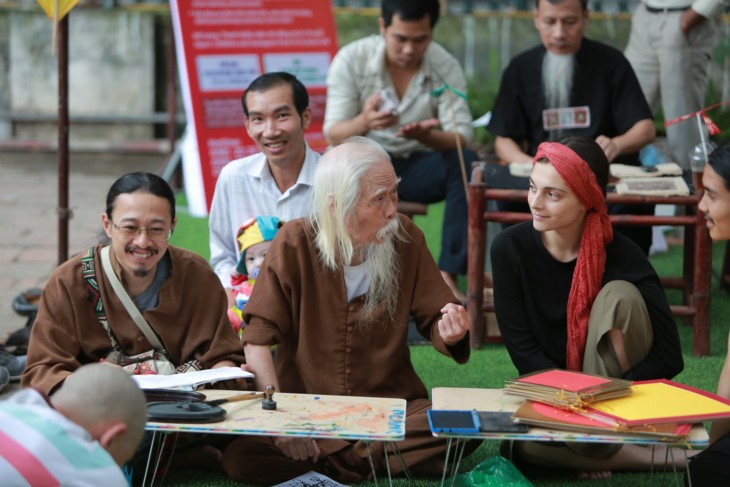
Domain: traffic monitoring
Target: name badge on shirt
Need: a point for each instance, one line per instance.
(566, 118)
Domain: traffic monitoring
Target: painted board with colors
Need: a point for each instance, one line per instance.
(310, 415)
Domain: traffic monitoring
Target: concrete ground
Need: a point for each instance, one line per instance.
(29, 222)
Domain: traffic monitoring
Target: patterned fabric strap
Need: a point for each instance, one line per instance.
(92, 287)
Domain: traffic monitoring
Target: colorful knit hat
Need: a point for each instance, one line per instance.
(254, 231)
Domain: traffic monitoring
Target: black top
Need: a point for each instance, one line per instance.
(531, 291)
(604, 81)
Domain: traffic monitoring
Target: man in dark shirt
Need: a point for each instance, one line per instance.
(587, 88)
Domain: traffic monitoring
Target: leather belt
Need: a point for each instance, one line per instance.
(655, 10)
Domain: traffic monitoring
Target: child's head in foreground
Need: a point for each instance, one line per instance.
(254, 239)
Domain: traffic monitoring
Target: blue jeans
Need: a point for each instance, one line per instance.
(429, 177)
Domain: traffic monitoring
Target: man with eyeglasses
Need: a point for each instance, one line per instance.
(174, 289)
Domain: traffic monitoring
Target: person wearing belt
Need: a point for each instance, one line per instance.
(670, 46)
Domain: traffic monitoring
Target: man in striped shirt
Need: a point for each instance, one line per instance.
(88, 429)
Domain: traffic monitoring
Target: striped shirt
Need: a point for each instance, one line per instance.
(41, 447)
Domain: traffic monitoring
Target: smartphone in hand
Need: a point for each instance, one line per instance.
(388, 101)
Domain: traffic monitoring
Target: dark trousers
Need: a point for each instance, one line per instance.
(429, 177)
(711, 467)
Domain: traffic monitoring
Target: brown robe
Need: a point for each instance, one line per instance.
(190, 320)
(302, 307)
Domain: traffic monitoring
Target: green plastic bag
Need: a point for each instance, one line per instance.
(493, 472)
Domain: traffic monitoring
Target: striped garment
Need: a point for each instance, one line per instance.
(41, 447)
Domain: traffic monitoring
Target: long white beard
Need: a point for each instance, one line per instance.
(382, 263)
(557, 79)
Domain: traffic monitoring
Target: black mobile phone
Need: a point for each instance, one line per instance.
(453, 421)
(499, 422)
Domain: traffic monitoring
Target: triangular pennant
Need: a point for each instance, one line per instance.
(712, 127)
(64, 7)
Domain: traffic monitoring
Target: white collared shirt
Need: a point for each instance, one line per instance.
(246, 189)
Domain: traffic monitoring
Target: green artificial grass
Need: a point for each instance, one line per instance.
(490, 366)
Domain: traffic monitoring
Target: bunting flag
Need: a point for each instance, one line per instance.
(445, 87)
(712, 127)
(50, 7)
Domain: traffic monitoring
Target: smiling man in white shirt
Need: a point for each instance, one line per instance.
(273, 182)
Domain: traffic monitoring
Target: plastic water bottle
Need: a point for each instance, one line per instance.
(698, 156)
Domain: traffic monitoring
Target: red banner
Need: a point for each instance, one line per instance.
(223, 45)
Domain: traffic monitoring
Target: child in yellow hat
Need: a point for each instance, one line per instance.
(254, 238)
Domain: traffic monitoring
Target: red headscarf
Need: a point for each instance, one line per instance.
(597, 233)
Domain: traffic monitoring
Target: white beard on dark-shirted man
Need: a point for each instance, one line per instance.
(557, 79)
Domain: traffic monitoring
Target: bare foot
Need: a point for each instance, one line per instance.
(450, 280)
(595, 475)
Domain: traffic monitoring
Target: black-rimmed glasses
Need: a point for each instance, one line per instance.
(154, 233)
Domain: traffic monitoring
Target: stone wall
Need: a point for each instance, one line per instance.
(111, 71)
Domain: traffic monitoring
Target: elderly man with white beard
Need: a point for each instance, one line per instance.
(571, 85)
(335, 294)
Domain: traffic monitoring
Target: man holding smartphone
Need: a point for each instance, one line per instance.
(382, 87)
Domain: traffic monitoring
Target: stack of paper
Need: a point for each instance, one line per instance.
(567, 389)
(547, 416)
(656, 408)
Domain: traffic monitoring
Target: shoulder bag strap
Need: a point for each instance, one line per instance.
(133, 311)
(92, 287)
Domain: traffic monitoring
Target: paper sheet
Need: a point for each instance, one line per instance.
(190, 379)
(312, 479)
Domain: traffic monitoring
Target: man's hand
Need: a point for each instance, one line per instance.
(231, 384)
(689, 20)
(418, 130)
(373, 118)
(609, 146)
(454, 323)
(298, 448)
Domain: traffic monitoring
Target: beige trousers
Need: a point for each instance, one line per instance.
(618, 305)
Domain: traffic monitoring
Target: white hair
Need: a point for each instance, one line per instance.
(336, 190)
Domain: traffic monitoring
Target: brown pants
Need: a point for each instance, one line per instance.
(618, 305)
(255, 459)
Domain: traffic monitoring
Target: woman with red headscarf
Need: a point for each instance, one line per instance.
(570, 293)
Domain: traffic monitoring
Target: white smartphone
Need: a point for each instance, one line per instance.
(388, 101)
